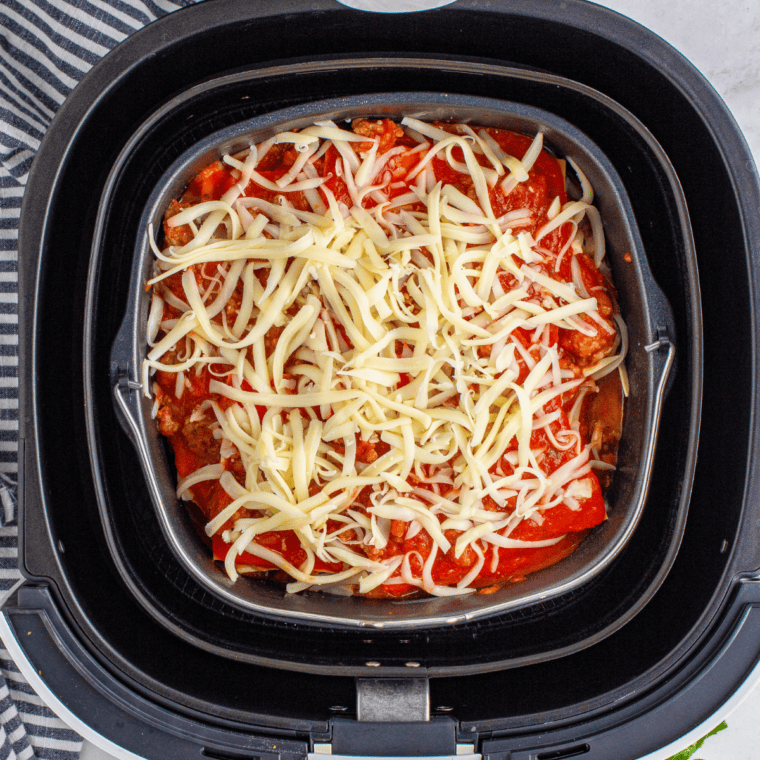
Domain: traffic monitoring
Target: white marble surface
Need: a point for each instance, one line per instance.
(723, 41)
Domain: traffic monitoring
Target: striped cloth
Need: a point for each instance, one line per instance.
(46, 47)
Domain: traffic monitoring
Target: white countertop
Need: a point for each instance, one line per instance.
(721, 40)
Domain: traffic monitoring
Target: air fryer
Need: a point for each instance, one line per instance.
(151, 676)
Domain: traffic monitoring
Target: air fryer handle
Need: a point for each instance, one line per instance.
(124, 392)
(662, 348)
(664, 352)
(125, 383)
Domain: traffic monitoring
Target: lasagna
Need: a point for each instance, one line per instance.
(388, 357)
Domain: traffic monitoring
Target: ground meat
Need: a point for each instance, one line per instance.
(603, 302)
(384, 129)
(167, 425)
(177, 235)
(236, 467)
(168, 415)
(271, 338)
(587, 349)
(467, 558)
(365, 451)
(566, 364)
(200, 440)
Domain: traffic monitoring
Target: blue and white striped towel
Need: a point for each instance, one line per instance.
(46, 47)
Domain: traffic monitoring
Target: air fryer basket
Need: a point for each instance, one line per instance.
(150, 570)
(79, 619)
(649, 359)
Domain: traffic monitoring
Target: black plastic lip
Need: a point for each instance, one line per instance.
(648, 309)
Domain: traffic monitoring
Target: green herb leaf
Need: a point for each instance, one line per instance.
(685, 754)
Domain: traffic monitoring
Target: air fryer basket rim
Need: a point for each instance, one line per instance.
(513, 660)
(322, 609)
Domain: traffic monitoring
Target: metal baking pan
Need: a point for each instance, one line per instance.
(650, 358)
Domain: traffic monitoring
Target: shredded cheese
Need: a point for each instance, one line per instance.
(397, 355)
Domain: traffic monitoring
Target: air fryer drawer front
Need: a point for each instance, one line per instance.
(92, 699)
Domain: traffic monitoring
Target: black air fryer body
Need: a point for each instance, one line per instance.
(133, 647)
